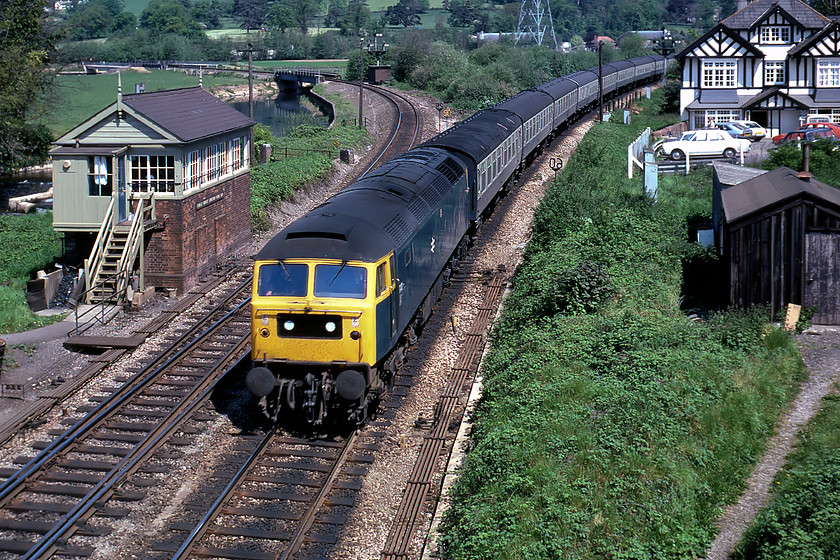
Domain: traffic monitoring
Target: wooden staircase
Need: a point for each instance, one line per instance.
(109, 268)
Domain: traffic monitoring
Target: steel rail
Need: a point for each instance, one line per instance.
(387, 95)
(68, 524)
(198, 532)
(318, 501)
(104, 409)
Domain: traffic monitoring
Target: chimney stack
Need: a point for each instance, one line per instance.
(806, 174)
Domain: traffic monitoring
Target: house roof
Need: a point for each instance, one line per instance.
(720, 41)
(805, 15)
(780, 185)
(824, 43)
(189, 113)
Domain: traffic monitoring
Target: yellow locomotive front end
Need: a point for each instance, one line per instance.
(313, 336)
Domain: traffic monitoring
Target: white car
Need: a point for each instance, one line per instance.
(704, 142)
(758, 131)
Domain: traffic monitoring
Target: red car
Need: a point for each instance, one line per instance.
(833, 127)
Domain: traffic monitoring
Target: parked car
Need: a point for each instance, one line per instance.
(735, 130)
(805, 134)
(704, 142)
(757, 131)
(833, 127)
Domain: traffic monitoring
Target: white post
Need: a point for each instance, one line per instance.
(687, 163)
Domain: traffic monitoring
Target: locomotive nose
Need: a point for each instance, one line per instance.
(260, 381)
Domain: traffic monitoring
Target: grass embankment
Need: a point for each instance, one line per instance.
(612, 426)
(27, 244)
(803, 519)
(276, 181)
(77, 98)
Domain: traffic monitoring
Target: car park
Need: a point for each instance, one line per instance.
(757, 132)
(703, 142)
(735, 130)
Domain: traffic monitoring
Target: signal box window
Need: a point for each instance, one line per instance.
(100, 176)
(341, 281)
(282, 280)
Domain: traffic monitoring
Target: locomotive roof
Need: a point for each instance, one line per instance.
(526, 103)
(478, 135)
(379, 213)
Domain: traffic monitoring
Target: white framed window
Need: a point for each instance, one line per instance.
(778, 34)
(833, 114)
(153, 173)
(194, 177)
(828, 72)
(237, 162)
(100, 176)
(708, 118)
(719, 73)
(774, 72)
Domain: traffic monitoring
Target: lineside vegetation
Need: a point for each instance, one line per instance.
(611, 425)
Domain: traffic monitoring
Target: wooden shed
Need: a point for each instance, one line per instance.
(781, 238)
(153, 190)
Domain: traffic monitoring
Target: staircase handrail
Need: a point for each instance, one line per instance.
(93, 264)
(132, 243)
(99, 308)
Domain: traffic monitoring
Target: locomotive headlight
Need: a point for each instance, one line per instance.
(264, 333)
(289, 325)
(330, 327)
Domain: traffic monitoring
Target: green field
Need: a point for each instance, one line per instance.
(77, 98)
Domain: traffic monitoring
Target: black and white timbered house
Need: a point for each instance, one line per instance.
(775, 62)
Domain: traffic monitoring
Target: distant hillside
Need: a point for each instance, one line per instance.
(137, 6)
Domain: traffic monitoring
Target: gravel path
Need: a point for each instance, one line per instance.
(820, 348)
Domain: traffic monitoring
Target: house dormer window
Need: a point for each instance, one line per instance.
(775, 34)
(719, 73)
(774, 73)
(828, 72)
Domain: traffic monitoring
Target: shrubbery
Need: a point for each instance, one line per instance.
(612, 426)
(803, 520)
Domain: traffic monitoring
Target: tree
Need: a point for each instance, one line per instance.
(356, 18)
(405, 13)
(169, 16)
(304, 11)
(251, 13)
(464, 13)
(335, 13)
(26, 45)
(280, 17)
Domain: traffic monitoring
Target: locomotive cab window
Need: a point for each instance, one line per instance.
(340, 281)
(381, 279)
(282, 280)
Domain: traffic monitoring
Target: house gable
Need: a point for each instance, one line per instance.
(720, 42)
(824, 43)
(757, 11)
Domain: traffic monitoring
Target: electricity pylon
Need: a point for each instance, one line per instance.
(532, 23)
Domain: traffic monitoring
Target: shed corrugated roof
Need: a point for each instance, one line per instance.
(189, 113)
(773, 187)
(804, 14)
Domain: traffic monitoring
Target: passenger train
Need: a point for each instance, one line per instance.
(339, 294)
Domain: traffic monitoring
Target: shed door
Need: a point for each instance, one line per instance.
(822, 276)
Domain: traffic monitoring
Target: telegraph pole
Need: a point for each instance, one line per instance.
(361, 76)
(600, 81)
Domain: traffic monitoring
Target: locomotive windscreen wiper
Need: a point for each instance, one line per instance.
(343, 264)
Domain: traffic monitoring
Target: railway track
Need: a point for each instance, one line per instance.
(119, 440)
